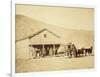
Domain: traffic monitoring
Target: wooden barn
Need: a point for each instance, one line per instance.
(44, 40)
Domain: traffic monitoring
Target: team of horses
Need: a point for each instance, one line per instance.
(71, 51)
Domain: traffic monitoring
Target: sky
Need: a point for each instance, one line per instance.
(66, 17)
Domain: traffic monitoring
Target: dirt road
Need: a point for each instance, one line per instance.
(54, 63)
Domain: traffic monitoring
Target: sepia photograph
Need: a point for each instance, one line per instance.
(53, 38)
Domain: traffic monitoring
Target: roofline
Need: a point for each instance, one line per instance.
(42, 31)
(29, 37)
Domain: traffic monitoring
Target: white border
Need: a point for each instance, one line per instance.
(13, 39)
(68, 73)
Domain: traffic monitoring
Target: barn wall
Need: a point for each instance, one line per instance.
(22, 49)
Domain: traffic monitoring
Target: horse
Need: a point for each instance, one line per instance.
(88, 51)
(81, 52)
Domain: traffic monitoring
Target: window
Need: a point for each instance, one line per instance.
(45, 35)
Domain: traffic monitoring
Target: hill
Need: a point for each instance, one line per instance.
(26, 26)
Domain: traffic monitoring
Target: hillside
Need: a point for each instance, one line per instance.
(26, 26)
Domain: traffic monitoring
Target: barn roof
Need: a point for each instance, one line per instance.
(42, 31)
(38, 32)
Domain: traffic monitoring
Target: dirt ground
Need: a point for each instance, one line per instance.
(54, 63)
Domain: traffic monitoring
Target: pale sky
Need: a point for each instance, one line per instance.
(67, 17)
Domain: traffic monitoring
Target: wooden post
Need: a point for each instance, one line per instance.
(54, 49)
(43, 50)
